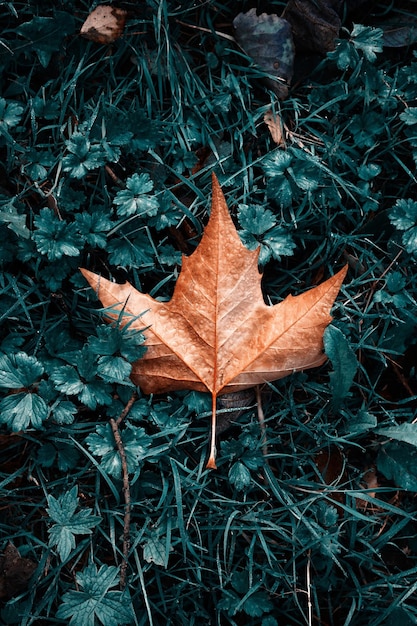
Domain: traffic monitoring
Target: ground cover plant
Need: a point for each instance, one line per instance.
(107, 151)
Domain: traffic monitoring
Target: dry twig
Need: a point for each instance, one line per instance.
(126, 487)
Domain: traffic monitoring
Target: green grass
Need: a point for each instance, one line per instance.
(107, 153)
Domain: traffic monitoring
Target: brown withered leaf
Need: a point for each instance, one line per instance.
(216, 334)
(274, 123)
(15, 572)
(105, 24)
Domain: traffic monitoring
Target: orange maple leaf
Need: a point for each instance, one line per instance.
(216, 334)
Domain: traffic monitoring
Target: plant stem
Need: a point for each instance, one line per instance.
(126, 487)
(127, 408)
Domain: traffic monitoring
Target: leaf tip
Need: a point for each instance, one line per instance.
(342, 273)
(337, 279)
(88, 275)
(92, 278)
(214, 180)
(217, 195)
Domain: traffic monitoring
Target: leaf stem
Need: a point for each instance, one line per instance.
(211, 463)
(126, 487)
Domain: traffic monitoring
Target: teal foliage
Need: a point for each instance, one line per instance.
(344, 363)
(10, 114)
(45, 35)
(68, 523)
(365, 43)
(135, 442)
(55, 238)
(82, 156)
(96, 599)
(25, 407)
(260, 229)
(398, 462)
(403, 215)
(135, 198)
(106, 155)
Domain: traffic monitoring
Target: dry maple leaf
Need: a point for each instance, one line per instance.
(216, 334)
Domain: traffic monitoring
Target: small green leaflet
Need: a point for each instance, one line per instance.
(367, 39)
(398, 462)
(365, 128)
(344, 363)
(361, 422)
(135, 442)
(113, 369)
(403, 215)
(83, 156)
(63, 411)
(255, 219)
(10, 114)
(37, 163)
(155, 549)
(403, 432)
(94, 227)
(260, 227)
(394, 291)
(115, 340)
(131, 253)
(96, 600)
(19, 370)
(82, 380)
(13, 215)
(56, 238)
(239, 476)
(253, 601)
(45, 34)
(135, 199)
(368, 172)
(276, 167)
(59, 453)
(290, 173)
(409, 116)
(104, 360)
(19, 410)
(68, 523)
(365, 42)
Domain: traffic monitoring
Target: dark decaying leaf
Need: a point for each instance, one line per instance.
(315, 23)
(231, 406)
(15, 572)
(331, 465)
(399, 34)
(267, 39)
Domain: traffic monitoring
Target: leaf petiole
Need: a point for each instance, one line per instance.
(211, 463)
